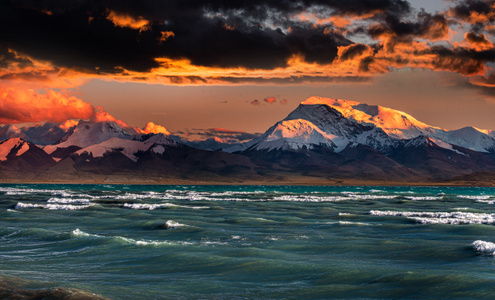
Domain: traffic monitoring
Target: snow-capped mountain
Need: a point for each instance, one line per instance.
(336, 124)
(322, 138)
(19, 155)
(129, 148)
(12, 147)
(86, 134)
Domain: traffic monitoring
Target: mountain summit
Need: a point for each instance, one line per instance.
(322, 139)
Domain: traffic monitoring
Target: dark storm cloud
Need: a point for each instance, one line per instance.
(353, 51)
(478, 13)
(221, 33)
(461, 60)
(426, 25)
(9, 57)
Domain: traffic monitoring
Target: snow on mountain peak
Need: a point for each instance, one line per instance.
(395, 123)
(86, 134)
(7, 146)
(128, 147)
(301, 132)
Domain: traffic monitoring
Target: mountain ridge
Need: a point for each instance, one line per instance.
(322, 139)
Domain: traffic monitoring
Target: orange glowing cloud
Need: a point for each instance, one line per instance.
(484, 81)
(155, 128)
(100, 115)
(123, 20)
(68, 124)
(478, 41)
(270, 100)
(28, 106)
(165, 35)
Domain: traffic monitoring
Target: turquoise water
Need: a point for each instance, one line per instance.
(230, 242)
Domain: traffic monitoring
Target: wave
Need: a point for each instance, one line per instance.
(307, 198)
(482, 247)
(451, 218)
(69, 200)
(370, 197)
(145, 206)
(21, 205)
(474, 197)
(148, 206)
(354, 223)
(170, 224)
(79, 233)
(486, 201)
(424, 198)
(231, 193)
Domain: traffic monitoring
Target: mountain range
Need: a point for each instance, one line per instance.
(322, 141)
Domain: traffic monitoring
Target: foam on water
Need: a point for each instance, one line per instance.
(68, 200)
(153, 206)
(21, 205)
(475, 197)
(146, 206)
(172, 224)
(354, 223)
(483, 247)
(424, 198)
(371, 197)
(79, 233)
(452, 218)
(308, 198)
(486, 201)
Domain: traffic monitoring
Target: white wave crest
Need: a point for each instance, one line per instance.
(424, 198)
(308, 198)
(146, 206)
(487, 248)
(172, 224)
(474, 197)
(452, 218)
(77, 232)
(21, 205)
(486, 201)
(150, 242)
(68, 200)
(371, 197)
(354, 223)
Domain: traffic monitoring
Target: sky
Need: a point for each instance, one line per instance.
(234, 68)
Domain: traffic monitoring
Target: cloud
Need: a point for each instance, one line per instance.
(478, 41)
(270, 100)
(115, 36)
(221, 134)
(480, 14)
(123, 20)
(28, 106)
(484, 81)
(188, 42)
(155, 129)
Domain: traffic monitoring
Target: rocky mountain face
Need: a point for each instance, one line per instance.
(353, 140)
(322, 138)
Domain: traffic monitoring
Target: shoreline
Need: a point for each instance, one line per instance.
(335, 182)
